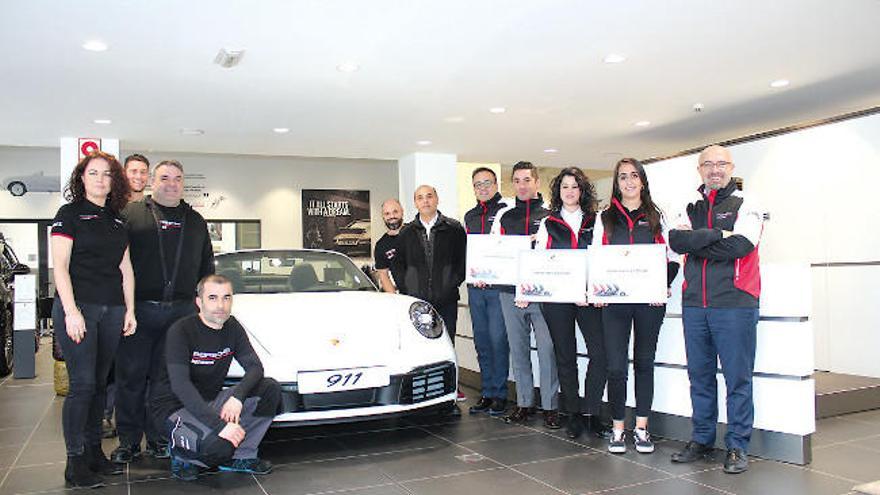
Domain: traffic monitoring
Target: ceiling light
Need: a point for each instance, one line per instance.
(348, 67)
(698, 107)
(551, 150)
(643, 123)
(454, 119)
(95, 46)
(423, 142)
(228, 57)
(192, 132)
(103, 121)
(281, 130)
(780, 83)
(497, 110)
(614, 58)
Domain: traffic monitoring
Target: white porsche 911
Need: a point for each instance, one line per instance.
(342, 350)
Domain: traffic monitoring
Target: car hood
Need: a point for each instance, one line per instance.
(306, 330)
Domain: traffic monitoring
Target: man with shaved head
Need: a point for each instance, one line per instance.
(719, 237)
(431, 256)
(386, 246)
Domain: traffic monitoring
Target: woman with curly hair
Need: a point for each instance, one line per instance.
(570, 226)
(94, 305)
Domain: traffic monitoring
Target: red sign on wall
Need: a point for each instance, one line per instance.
(87, 146)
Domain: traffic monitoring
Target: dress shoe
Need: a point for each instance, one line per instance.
(691, 452)
(736, 461)
(124, 454)
(482, 405)
(551, 420)
(78, 475)
(518, 415)
(499, 407)
(157, 449)
(575, 426)
(98, 462)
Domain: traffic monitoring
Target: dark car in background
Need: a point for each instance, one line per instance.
(9, 268)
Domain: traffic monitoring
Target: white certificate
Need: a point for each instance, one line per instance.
(552, 275)
(493, 258)
(627, 274)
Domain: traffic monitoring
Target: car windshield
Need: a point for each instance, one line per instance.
(263, 272)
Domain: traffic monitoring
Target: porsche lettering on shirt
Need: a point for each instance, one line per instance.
(209, 358)
(390, 254)
(88, 217)
(169, 225)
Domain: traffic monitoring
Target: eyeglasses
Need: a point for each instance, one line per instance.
(483, 184)
(716, 165)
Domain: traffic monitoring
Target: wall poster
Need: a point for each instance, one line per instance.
(338, 220)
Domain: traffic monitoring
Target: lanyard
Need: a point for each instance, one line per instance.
(168, 287)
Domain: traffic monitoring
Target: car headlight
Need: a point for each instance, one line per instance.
(426, 319)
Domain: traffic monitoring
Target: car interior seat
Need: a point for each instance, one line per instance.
(302, 277)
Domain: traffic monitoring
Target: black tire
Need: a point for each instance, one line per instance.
(17, 188)
(6, 359)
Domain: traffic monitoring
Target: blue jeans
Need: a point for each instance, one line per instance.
(728, 334)
(137, 362)
(88, 365)
(490, 341)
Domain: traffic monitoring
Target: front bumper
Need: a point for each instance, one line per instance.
(422, 388)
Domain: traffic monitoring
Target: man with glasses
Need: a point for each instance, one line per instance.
(719, 237)
(487, 320)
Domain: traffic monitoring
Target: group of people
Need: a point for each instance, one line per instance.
(715, 241)
(135, 286)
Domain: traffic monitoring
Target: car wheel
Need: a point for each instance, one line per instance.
(17, 188)
(6, 342)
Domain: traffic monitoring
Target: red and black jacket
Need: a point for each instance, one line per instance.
(479, 219)
(523, 219)
(632, 227)
(561, 236)
(720, 272)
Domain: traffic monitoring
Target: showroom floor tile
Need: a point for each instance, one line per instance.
(474, 454)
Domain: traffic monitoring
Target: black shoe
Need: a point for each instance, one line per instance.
(736, 461)
(575, 426)
(599, 428)
(125, 453)
(98, 462)
(184, 470)
(551, 420)
(499, 407)
(482, 405)
(691, 452)
(518, 415)
(157, 450)
(78, 475)
(250, 466)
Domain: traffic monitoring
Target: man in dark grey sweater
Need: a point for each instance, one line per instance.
(210, 426)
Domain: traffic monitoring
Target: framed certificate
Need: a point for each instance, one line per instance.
(493, 258)
(552, 275)
(627, 274)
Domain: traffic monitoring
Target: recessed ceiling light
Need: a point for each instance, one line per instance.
(281, 130)
(497, 110)
(103, 121)
(192, 132)
(348, 67)
(551, 150)
(454, 119)
(95, 46)
(614, 58)
(643, 123)
(780, 83)
(423, 142)
(699, 107)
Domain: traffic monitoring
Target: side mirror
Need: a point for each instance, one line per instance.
(21, 269)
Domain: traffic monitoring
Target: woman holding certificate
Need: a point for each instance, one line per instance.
(632, 218)
(570, 226)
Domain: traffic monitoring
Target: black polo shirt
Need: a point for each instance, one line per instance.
(386, 251)
(99, 241)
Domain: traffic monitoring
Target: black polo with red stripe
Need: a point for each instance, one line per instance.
(99, 241)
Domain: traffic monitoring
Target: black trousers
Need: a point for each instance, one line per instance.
(449, 313)
(560, 318)
(643, 321)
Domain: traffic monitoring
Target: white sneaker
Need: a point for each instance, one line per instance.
(617, 442)
(642, 439)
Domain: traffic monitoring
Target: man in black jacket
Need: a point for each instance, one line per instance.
(170, 252)
(210, 426)
(719, 238)
(431, 255)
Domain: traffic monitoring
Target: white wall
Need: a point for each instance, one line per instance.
(819, 186)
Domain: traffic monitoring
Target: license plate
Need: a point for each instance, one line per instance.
(317, 382)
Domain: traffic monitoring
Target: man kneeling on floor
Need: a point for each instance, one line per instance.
(209, 426)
